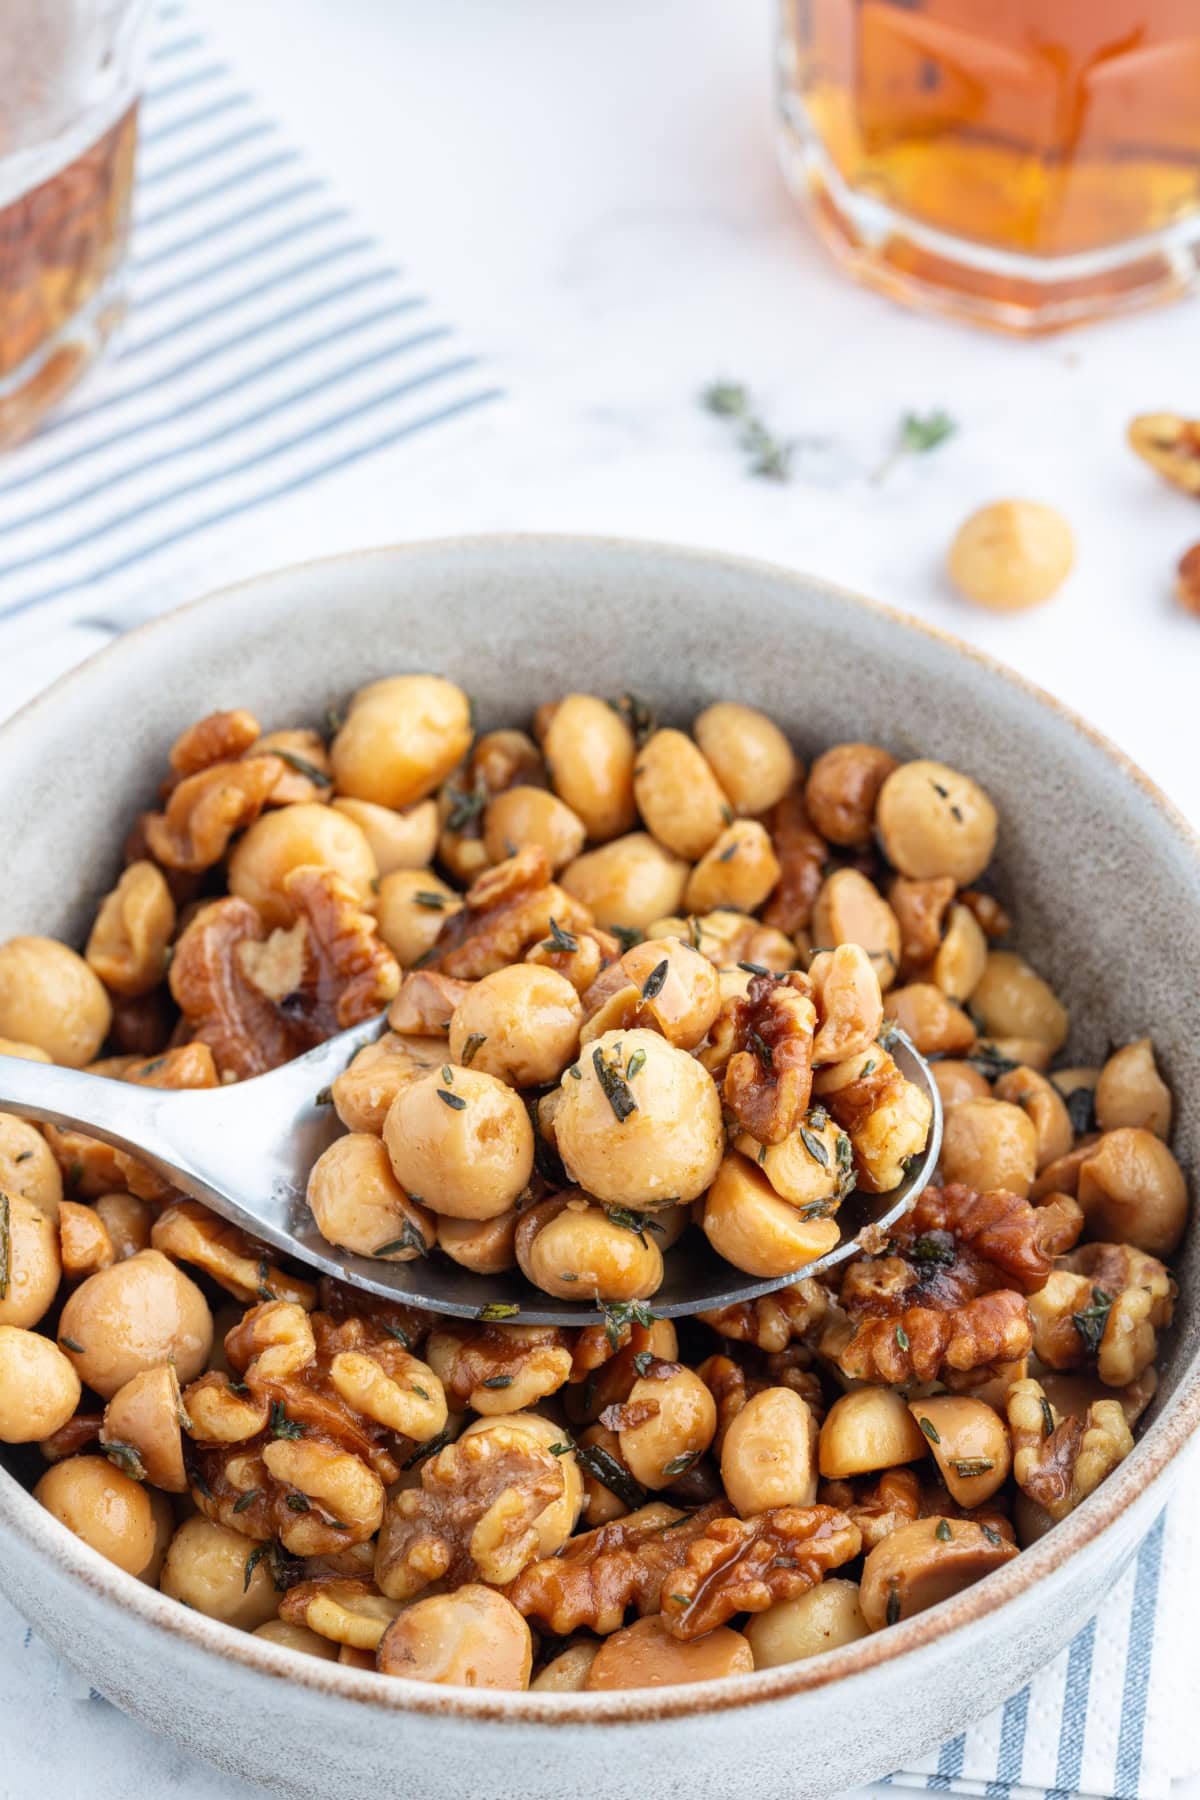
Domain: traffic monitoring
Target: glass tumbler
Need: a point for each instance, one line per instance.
(70, 79)
(1029, 164)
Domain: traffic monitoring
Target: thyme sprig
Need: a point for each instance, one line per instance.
(770, 457)
(918, 434)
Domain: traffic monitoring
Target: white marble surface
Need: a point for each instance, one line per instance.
(590, 189)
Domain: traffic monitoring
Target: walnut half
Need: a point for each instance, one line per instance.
(748, 1565)
(1059, 1462)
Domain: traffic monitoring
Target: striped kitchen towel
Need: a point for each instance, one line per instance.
(270, 345)
(1108, 1716)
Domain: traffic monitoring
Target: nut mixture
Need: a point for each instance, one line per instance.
(640, 982)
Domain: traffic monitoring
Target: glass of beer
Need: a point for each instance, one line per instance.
(1028, 164)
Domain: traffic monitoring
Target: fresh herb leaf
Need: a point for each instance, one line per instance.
(1081, 1110)
(124, 1457)
(642, 1362)
(563, 1449)
(468, 804)
(933, 1249)
(69, 1342)
(427, 1449)
(398, 1332)
(297, 1503)
(919, 433)
(252, 1562)
(902, 1337)
(496, 1381)
(814, 1146)
(1091, 1321)
(769, 456)
(616, 1089)
(472, 1046)
(302, 766)
(1047, 1418)
(968, 1466)
(749, 968)
(729, 852)
(635, 1065)
(454, 1101)
(930, 1430)
(623, 1313)
(987, 1060)
(247, 1499)
(653, 984)
(410, 1239)
(324, 1098)
(6, 1245)
(943, 1531)
(281, 1426)
(679, 1465)
(761, 1049)
(431, 900)
(993, 1537)
(566, 941)
(893, 1604)
(626, 935)
(637, 715)
(603, 1467)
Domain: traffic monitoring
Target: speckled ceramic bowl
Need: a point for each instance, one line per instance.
(1105, 879)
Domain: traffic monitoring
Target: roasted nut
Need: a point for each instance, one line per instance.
(508, 909)
(934, 821)
(768, 1076)
(749, 1565)
(739, 870)
(920, 1564)
(460, 1142)
(990, 1144)
(358, 1203)
(341, 1609)
(111, 1513)
(1131, 1092)
(748, 753)
(1044, 1107)
(1011, 555)
(767, 1459)
(127, 948)
(842, 789)
(1103, 1307)
(600, 1574)
(305, 775)
(773, 1321)
(401, 738)
(881, 1504)
(473, 1637)
(329, 971)
(39, 1390)
(679, 992)
(750, 1226)
(850, 910)
(206, 809)
(641, 1126)
(280, 843)
(1012, 1002)
(84, 1243)
(209, 1568)
(1187, 580)
(810, 1169)
(529, 815)
(848, 1001)
(520, 1024)
(28, 1168)
(802, 855)
(299, 1638)
(30, 1261)
(50, 998)
(412, 905)
(219, 1415)
(678, 795)
(936, 1025)
(665, 1425)
(337, 1486)
(276, 1338)
(866, 1430)
(1057, 1463)
(239, 1262)
(591, 951)
(131, 1317)
(363, 1092)
(142, 1430)
(218, 737)
(1132, 1191)
(485, 1246)
(567, 1672)
(646, 1655)
(1171, 445)
(961, 957)
(404, 839)
(628, 882)
(969, 1444)
(920, 908)
(425, 1004)
(825, 1618)
(886, 1118)
(499, 1368)
(245, 1032)
(590, 754)
(957, 1081)
(572, 1248)
(475, 1515)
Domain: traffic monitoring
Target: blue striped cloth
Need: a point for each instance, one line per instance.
(270, 344)
(1107, 1716)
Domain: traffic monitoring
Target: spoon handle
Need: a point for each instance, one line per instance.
(117, 1112)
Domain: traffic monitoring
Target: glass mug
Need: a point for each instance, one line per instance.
(70, 76)
(1029, 164)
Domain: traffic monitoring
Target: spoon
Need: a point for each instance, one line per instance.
(246, 1150)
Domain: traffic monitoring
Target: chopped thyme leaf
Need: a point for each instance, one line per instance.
(431, 900)
(298, 1503)
(679, 1465)
(455, 1101)
(814, 1146)
(993, 1537)
(302, 766)
(471, 1048)
(635, 1065)
(603, 1467)
(247, 1499)
(930, 1429)
(495, 1381)
(252, 1562)
(24, 1156)
(565, 941)
(730, 851)
(902, 1337)
(467, 806)
(429, 1448)
(893, 1604)
(419, 1390)
(324, 1098)
(1081, 1109)
(968, 1466)
(626, 935)
(943, 1531)
(563, 1449)
(622, 1313)
(125, 1458)
(1047, 1418)
(5, 1244)
(749, 968)
(761, 1049)
(398, 1332)
(616, 1089)
(653, 983)
(72, 1345)
(642, 1362)
(447, 1075)
(1090, 1323)
(281, 1425)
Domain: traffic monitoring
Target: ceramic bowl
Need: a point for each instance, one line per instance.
(1104, 878)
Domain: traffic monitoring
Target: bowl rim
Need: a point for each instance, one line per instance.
(44, 1536)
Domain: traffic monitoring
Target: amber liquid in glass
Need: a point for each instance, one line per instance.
(62, 246)
(1038, 159)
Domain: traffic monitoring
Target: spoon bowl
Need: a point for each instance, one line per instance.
(246, 1150)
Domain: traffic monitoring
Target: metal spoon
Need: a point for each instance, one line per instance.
(246, 1151)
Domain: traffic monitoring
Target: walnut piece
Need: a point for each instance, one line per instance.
(218, 737)
(920, 908)
(348, 974)
(775, 1320)
(600, 1574)
(768, 1079)
(241, 1264)
(951, 1293)
(748, 1565)
(425, 1002)
(500, 1368)
(206, 809)
(802, 855)
(881, 1504)
(1059, 1462)
(474, 1517)
(1103, 1308)
(223, 1009)
(508, 909)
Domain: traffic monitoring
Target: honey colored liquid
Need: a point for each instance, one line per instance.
(62, 244)
(1046, 127)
